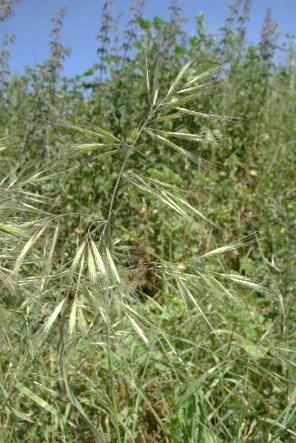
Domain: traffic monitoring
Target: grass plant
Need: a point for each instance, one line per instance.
(146, 260)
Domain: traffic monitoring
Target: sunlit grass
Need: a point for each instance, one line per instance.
(208, 358)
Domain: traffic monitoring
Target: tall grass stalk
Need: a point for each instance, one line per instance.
(87, 359)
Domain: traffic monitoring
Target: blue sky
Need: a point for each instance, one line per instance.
(31, 24)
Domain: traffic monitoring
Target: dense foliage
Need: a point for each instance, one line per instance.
(147, 236)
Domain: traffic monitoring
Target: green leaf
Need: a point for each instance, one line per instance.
(36, 399)
(254, 350)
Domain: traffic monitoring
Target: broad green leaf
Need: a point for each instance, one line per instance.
(254, 350)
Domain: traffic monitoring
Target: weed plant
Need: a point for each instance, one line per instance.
(147, 256)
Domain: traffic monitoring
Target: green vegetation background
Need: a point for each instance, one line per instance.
(147, 237)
